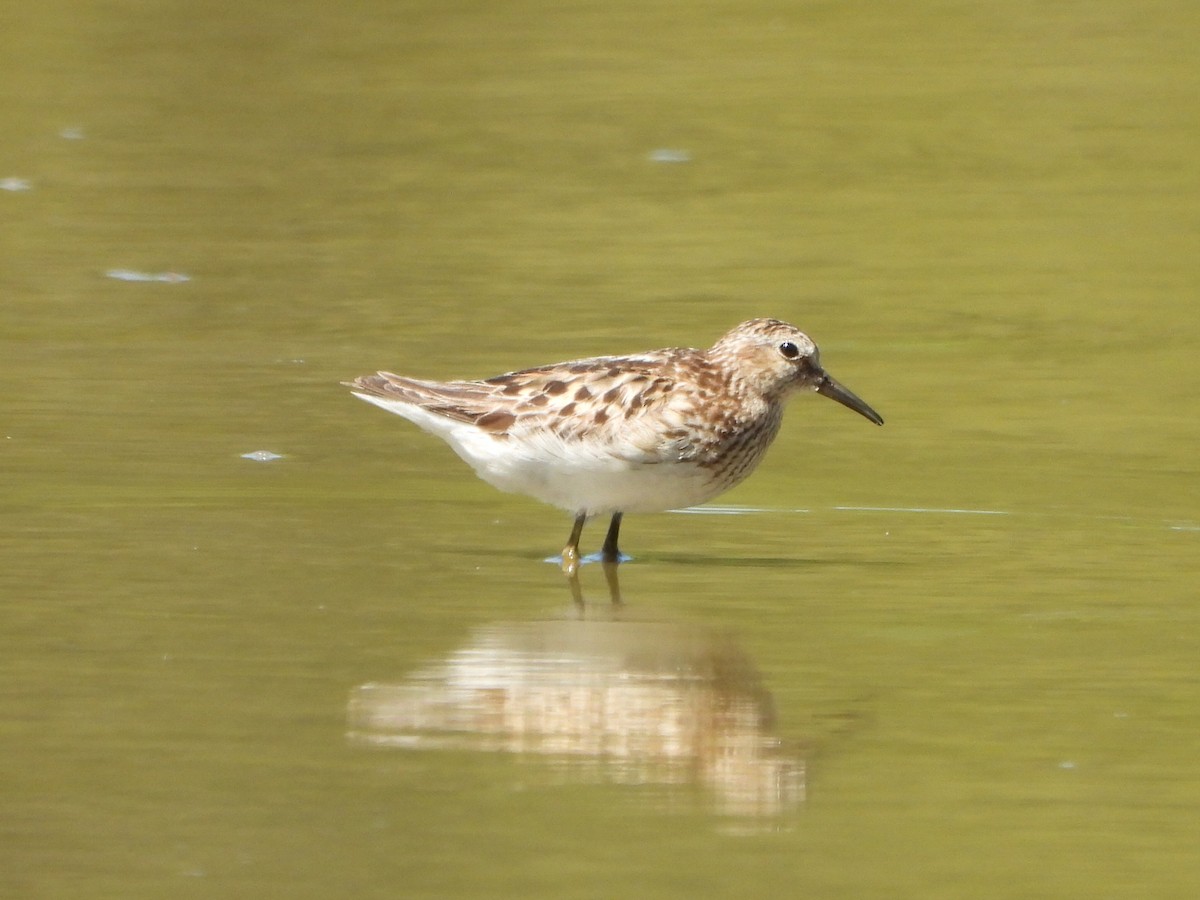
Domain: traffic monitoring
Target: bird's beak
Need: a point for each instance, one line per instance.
(830, 388)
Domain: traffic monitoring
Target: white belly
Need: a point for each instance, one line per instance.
(599, 489)
(577, 476)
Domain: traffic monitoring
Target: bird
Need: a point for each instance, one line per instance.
(611, 435)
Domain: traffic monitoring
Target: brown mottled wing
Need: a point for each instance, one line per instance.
(643, 409)
(655, 407)
(462, 401)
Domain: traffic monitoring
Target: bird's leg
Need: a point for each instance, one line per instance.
(570, 554)
(609, 552)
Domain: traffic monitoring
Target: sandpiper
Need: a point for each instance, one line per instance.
(616, 434)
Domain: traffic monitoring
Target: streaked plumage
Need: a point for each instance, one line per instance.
(616, 434)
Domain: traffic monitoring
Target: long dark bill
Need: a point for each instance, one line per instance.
(830, 388)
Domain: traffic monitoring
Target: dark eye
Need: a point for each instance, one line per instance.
(788, 349)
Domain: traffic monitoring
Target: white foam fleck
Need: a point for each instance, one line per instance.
(133, 275)
(669, 155)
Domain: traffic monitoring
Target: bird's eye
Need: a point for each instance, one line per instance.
(789, 350)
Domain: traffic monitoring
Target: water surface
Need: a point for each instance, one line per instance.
(955, 656)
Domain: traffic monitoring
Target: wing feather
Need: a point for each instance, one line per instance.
(641, 410)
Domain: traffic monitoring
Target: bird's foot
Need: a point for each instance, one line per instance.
(570, 561)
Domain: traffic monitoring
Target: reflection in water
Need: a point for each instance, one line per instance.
(642, 703)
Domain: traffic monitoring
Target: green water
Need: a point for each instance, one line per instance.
(952, 657)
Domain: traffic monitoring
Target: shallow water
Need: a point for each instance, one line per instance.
(261, 639)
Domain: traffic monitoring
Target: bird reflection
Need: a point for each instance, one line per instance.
(605, 700)
(611, 580)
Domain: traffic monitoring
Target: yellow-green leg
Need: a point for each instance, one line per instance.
(570, 554)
